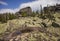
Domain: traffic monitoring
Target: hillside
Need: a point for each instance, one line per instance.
(26, 25)
(48, 33)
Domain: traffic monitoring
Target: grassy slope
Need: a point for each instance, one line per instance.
(16, 23)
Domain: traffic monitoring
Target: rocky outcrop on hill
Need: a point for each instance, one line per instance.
(52, 9)
(26, 10)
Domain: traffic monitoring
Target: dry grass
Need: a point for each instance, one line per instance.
(51, 34)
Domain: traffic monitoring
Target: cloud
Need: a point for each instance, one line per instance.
(35, 5)
(3, 3)
(8, 11)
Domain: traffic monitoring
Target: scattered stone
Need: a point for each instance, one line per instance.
(34, 20)
(58, 40)
(56, 35)
(59, 17)
(55, 24)
(44, 24)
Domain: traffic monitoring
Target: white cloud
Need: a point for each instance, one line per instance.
(35, 5)
(3, 3)
(8, 11)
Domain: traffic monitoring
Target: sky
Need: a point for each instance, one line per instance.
(13, 6)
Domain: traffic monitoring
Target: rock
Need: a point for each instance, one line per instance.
(44, 24)
(55, 24)
(58, 40)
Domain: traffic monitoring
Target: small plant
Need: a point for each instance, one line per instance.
(24, 14)
(11, 16)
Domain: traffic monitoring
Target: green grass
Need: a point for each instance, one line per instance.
(3, 28)
(15, 23)
(57, 15)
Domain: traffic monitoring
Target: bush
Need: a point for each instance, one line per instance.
(6, 16)
(24, 14)
(11, 16)
(3, 18)
(33, 14)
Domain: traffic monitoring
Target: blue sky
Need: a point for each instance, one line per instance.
(13, 3)
(12, 6)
